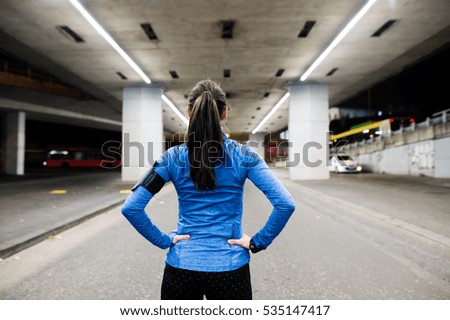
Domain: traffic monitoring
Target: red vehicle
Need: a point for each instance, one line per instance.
(79, 158)
(277, 150)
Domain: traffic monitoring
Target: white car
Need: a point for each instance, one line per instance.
(343, 163)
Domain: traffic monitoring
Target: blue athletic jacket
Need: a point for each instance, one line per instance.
(211, 217)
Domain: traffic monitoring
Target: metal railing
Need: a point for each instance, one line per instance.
(437, 118)
(441, 116)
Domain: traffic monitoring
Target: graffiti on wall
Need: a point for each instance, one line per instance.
(421, 157)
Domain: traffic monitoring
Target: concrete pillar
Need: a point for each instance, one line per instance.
(256, 141)
(13, 144)
(308, 127)
(142, 130)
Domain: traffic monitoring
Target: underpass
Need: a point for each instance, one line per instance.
(294, 73)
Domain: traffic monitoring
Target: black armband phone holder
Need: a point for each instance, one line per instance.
(151, 181)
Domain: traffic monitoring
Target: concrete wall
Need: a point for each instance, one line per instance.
(442, 158)
(422, 152)
(411, 159)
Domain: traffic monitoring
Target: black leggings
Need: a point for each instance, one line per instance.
(180, 284)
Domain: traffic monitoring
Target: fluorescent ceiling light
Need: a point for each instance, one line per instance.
(124, 55)
(274, 109)
(338, 39)
(110, 40)
(175, 109)
(322, 56)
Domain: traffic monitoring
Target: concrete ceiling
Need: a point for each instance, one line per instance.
(265, 39)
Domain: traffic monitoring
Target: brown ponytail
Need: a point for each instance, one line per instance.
(205, 141)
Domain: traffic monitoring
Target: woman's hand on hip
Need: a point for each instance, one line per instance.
(180, 237)
(243, 242)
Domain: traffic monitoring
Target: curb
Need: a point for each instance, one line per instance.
(5, 253)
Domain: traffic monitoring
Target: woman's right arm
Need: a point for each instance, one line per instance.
(283, 205)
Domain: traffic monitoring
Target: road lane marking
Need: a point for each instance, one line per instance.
(58, 191)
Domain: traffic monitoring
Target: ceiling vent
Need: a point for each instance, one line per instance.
(121, 75)
(266, 94)
(147, 27)
(69, 33)
(227, 29)
(230, 95)
(384, 28)
(306, 29)
(332, 71)
(174, 74)
(226, 73)
(279, 73)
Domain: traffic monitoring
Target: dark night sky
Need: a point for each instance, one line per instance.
(418, 91)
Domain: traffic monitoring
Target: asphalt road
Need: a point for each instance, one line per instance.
(329, 250)
(28, 207)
